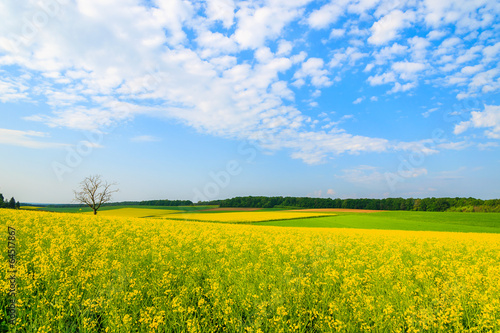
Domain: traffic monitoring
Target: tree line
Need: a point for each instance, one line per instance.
(410, 204)
(132, 203)
(12, 203)
(426, 204)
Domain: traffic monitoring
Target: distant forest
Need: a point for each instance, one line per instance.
(166, 203)
(427, 204)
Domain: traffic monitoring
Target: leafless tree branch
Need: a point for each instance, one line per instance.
(94, 192)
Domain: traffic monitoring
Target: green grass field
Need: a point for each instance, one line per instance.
(402, 220)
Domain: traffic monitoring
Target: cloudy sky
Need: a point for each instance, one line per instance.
(212, 99)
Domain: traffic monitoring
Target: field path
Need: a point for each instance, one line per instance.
(337, 210)
(229, 209)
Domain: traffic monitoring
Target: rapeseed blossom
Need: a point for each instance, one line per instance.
(86, 273)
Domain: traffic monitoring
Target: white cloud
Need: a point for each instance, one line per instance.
(12, 91)
(281, 89)
(487, 145)
(368, 68)
(427, 113)
(486, 79)
(330, 192)
(88, 119)
(490, 52)
(326, 15)
(215, 44)
(388, 27)
(362, 6)
(469, 54)
(313, 69)
(257, 24)
(398, 87)
(284, 47)
(447, 47)
(436, 34)
(469, 70)
(414, 173)
(389, 52)
(221, 10)
(465, 15)
(407, 70)
(316, 146)
(145, 138)
(454, 145)
(350, 54)
(337, 33)
(382, 79)
(358, 100)
(28, 139)
(426, 147)
(418, 48)
(489, 118)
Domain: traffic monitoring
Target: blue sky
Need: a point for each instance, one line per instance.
(204, 100)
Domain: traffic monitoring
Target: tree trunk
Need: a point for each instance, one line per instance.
(95, 211)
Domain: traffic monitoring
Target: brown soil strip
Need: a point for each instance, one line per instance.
(339, 210)
(226, 209)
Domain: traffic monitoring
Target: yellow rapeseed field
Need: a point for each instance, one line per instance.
(30, 207)
(83, 273)
(136, 212)
(245, 217)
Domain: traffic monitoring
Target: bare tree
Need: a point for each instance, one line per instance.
(94, 192)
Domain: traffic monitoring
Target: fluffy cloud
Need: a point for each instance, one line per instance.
(489, 118)
(358, 100)
(313, 69)
(388, 27)
(382, 79)
(350, 55)
(468, 70)
(11, 91)
(28, 139)
(465, 15)
(389, 52)
(407, 70)
(257, 24)
(418, 48)
(491, 52)
(221, 10)
(326, 15)
(231, 68)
